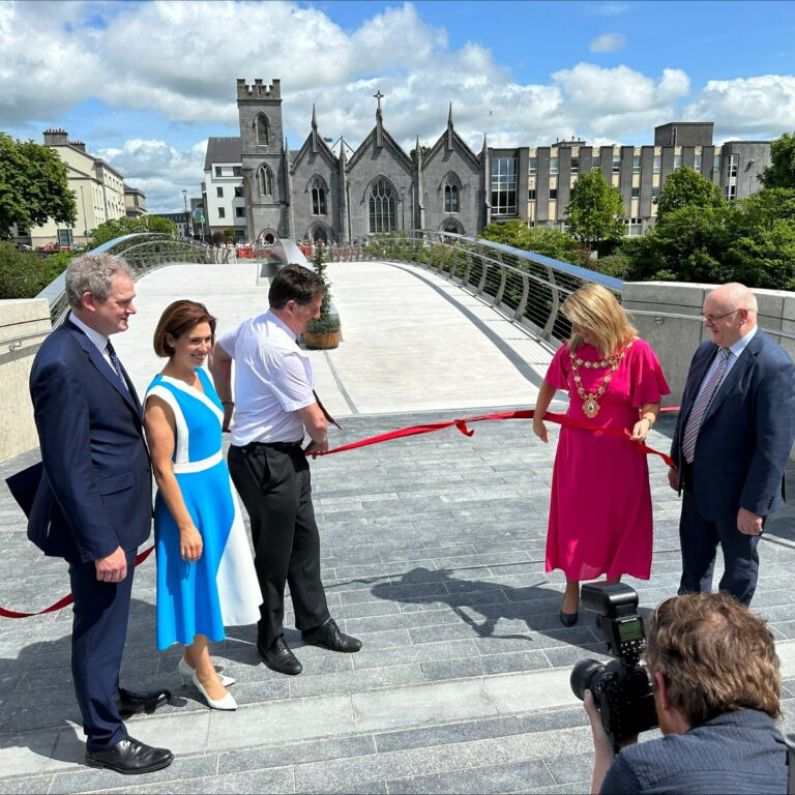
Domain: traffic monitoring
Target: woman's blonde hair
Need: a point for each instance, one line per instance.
(595, 308)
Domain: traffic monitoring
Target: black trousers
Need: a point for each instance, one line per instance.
(274, 483)
(99, 631)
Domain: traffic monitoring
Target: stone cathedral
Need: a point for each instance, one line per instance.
(313, 193)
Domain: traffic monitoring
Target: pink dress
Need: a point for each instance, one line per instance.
(600, 507)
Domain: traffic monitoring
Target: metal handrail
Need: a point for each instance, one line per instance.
(661, 316)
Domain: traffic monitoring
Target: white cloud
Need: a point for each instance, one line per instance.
(181, 60)
(608, 42)
(760, 106)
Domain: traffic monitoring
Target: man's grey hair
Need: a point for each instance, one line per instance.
(93, 273)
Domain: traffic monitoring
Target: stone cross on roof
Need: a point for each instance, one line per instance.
(379, 96)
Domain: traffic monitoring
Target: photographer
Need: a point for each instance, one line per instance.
(716, 688)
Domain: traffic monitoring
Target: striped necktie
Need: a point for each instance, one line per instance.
(114, 360)
(701, 405)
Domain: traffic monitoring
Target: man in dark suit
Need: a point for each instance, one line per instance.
(733, 437)
(93, 504)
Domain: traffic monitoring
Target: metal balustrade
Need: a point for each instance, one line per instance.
(525, 286)
(143, 251)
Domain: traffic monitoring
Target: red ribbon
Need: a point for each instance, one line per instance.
(66, 600)
(414, 430)
(522, 414)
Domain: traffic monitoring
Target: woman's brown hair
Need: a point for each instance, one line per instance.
(177, 318)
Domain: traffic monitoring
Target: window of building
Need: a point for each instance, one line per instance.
(383, 207)
(554, 165)
(531, 195)
(238, 192)
(503, 186)
(677, 161)
(616, 163)
(237, 171)
(532, 165)
(575, 165)
(733, 165)
(240, 212)
(263, 130)
(731, 191)
(265, 180)
(596, 163)
(634, 227)
(698, 162)
(655, 192)
(451, 198)
(716, 166)
(219, 192)
(318, 196)
(553, 194)
(636, 192)
(218, 171)
(636, 164)
(221, 212)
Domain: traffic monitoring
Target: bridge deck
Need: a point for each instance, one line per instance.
(433, 552)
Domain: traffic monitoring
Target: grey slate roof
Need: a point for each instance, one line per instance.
(223, 150)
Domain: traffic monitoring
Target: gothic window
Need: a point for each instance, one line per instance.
(450, 197)
(263, 130)
(265, 181)
(383, 207)
(318, 196)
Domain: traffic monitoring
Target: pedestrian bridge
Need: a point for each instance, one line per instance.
(433, 554)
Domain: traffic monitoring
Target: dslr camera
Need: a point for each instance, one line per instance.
(621, 688)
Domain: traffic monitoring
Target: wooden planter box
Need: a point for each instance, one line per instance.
(322, 341)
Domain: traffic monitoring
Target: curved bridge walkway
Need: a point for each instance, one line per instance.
(433, 554)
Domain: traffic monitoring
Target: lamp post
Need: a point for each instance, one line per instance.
(187, 214)
(402, 209)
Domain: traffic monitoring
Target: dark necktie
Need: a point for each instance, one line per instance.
(114, 360)
(699, 410)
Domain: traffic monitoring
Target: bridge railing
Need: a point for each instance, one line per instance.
(143, 251)
(527, 287)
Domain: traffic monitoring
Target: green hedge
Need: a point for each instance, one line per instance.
(24, 274)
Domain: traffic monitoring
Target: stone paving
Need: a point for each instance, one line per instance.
(433, 551)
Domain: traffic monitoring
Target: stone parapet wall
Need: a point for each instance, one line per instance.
(24, 323)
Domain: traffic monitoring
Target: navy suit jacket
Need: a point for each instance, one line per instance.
(747, 433)
(94, 493)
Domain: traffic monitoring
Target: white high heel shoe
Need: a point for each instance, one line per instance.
(226, 703)
(186, 672)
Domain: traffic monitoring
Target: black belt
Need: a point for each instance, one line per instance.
(283, 446)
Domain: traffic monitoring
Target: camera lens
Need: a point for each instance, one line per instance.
(584, 675)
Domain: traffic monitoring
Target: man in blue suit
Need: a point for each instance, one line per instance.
(93, 503)
(732, 440)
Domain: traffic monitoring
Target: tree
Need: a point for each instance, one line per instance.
(549, 242)
(34, 186)
(125, 226)
(781, 171)
(687, 188)
(596, 211)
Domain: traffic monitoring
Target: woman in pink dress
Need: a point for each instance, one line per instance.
(600, 519)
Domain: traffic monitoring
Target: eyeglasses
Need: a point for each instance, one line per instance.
(713, 318)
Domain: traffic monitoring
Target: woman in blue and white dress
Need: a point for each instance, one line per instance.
(205, 572)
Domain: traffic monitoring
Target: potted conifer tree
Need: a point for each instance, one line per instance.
(323, 333)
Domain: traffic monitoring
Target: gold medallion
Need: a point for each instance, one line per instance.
(590, 406)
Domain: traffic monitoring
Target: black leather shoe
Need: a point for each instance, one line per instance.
(131, 756)
(279, 658)
(129, 702)
(329, 636)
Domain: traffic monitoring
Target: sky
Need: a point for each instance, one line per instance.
(144, 84)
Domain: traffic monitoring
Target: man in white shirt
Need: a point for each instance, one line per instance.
(274, 406)
(732, 440)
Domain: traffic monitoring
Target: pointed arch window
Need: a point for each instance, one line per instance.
(451, 198)
(383, 207)
(265, 181)
(318, 196)
(263, 130)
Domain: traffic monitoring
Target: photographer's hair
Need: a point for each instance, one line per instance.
(295, 283)
(598, 310)
(178, 318)
(716, 656)
(93, 273)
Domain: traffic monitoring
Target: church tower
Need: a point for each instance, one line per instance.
(266, 182)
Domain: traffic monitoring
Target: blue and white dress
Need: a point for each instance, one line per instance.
(221, 587)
